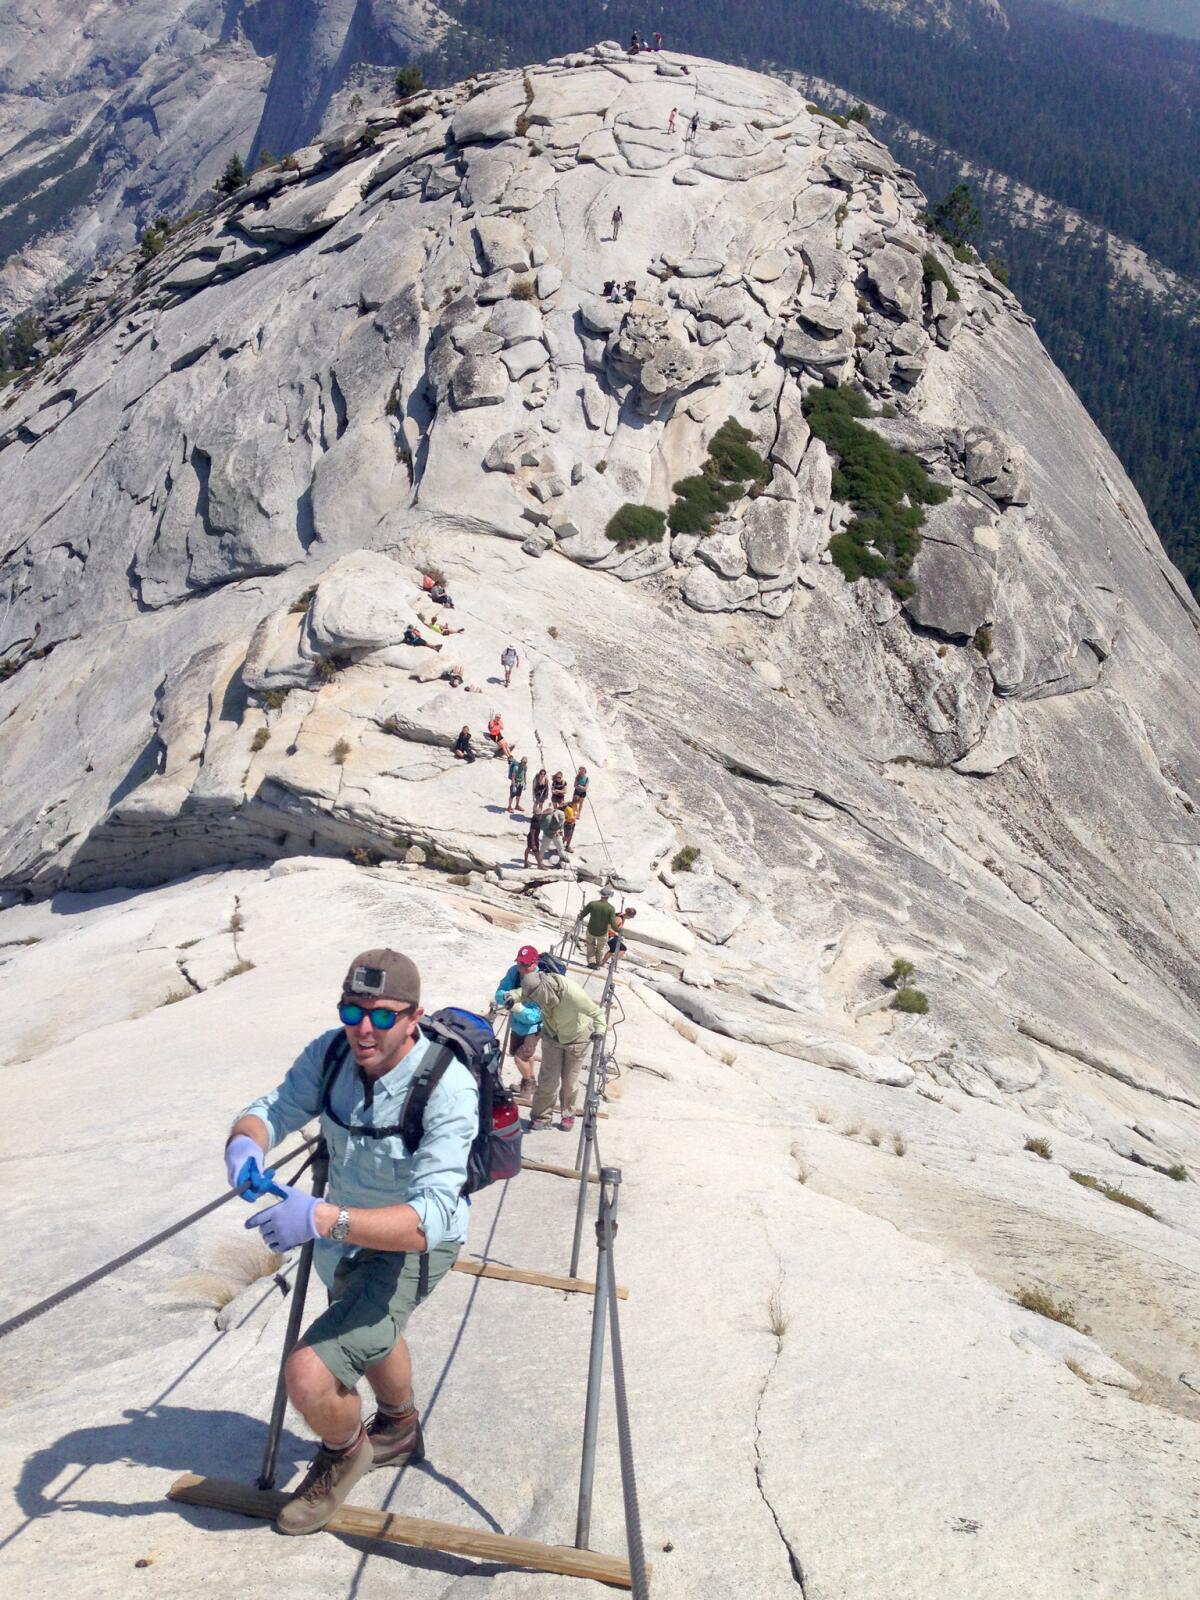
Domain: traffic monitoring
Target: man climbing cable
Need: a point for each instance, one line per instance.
(388, 1231)
(570, 1020)
(601, 920)
(526, 1017)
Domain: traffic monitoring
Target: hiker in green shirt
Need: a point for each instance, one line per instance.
(601, 919)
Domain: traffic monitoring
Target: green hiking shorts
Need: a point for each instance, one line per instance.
(374, 1294)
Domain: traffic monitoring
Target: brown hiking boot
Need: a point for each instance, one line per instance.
(326, 1487)
(396, 1441)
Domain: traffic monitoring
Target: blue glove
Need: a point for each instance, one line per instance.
(241, 1153)
(291, 1222)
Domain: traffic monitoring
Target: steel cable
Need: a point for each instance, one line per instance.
(86, 1282)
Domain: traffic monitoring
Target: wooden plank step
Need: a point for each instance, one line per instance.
(541, 1280)
(420, 1533)
(559, 1172)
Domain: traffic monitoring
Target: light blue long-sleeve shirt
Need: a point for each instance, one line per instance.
(526, 1017)
(382, 1172)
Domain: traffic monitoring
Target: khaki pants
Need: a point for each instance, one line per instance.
(560, 1069)
(597, 948)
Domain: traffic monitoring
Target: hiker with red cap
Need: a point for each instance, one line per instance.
(389, 1230)
(526, 1027)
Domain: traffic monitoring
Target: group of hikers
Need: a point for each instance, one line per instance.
(554, 818)
(400, 1109)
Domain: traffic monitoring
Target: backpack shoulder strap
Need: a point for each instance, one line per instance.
(412, 1119)
(337, 1053)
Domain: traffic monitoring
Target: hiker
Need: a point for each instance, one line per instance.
(694, 126)
(533, 838)
(510, 661)
(618, 218)
(517, 771)
(411, 636)
(440, 627)
(541, 790)
(601, 921)
(552, 833)
(462, 746)
(634, 45)
(570, 818)
(579, 791)
(657, 42)
(439, 596)
(453, 674)
(558, 791)
(526, 1027)
(671, 119)
(495, 732)
(615, 941)
(630, 289)
(570, 1020)
(389, 1230)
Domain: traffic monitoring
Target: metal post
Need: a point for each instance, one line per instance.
(606, 1227)
(266, 1478)
(598, 1051)
(591, 1414)
(590, 1108)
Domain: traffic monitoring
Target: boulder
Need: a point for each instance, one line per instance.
(897, 280)
(768, 535)
(514, 321)
(363, 602)
(705, 591)
(502, 244)
(997, 465)
(522, 447)
(479, 381)
(529, 356)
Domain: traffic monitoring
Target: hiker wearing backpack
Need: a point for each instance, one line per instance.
(401, 1106)
(600, 920)
(526, 1027)
(510, 661)
(517, 772)
(570, 1020)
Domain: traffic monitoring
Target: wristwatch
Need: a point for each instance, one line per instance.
(340, 1231)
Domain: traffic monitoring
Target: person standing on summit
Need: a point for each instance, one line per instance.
(389, 1230)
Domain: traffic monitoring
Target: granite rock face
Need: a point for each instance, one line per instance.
(146, 102)
(221, 494)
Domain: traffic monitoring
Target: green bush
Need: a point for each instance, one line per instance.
(935, 272)
(684, 860)
(998, 268)
(859, 114)
(523, 289)
(408, 82)
(634, 524)
(733, 457)
(261, 739)
(701, 498)
(340, 752)
(912, 1001)
(886, 487)
(1112, 1192)
(1178, 1172)
(273, 698)
(983, 639)
(955, 218)
(1046, 1306)
(901, 972)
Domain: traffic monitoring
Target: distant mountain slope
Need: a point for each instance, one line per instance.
(1159, 16)
(111, 114)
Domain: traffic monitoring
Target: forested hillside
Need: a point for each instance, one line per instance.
(1099, 117)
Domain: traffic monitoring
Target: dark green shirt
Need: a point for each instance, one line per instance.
(601, 917)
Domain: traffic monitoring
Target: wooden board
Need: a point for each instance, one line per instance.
(542, 1280)
(559, 1172)
(418, 1532)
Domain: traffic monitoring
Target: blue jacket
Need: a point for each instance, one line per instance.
(382, 1172)
(526, 1017)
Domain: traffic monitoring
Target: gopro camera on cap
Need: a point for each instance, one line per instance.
(368, 980)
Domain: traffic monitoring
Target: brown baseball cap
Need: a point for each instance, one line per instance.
(384, 975)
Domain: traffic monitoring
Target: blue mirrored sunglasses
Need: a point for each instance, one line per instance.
(382, 1017)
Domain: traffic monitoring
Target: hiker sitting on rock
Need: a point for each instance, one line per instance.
(439, 596)
(495, 732)
(389, 1230)
(526, 1016)
(462, 746)
(570, 1019)
(411, 636)
(440, 627)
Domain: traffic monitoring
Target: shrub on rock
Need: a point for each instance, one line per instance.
(408, 82)
(733, 456)
(887, 488)
(635, 524)
(912, 1001)
(701, 498)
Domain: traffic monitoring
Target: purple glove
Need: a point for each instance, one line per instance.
(291, 1222)
(239, 1153)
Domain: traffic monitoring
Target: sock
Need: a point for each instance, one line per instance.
(346, 1445)
(395, 1413)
